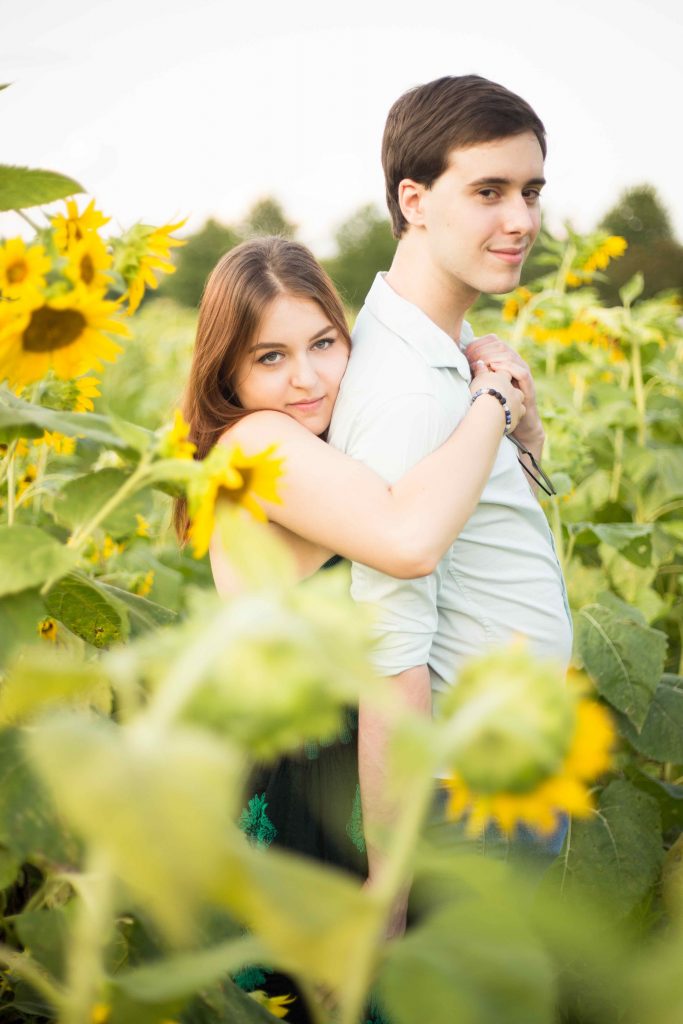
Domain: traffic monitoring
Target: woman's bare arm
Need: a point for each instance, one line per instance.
(341, 505)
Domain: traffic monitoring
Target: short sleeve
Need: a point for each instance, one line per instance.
(392, 436)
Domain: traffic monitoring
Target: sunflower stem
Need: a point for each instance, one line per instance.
(90, 935)
(11, 483)
(28, 220)
(135, 482)
(26, 968)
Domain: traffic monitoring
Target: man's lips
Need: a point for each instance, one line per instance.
(509, 255)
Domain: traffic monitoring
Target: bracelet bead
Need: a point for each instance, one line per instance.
(503, 401)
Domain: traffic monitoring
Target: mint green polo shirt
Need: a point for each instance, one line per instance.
(405, 390)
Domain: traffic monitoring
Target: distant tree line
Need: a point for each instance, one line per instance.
(365, 245)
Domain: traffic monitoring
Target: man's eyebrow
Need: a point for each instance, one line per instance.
(278, 344)
(504, 181)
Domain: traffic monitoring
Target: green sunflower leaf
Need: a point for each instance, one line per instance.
(29, 557)
(23, 187)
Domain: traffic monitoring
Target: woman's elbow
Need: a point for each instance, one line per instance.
(411, 562)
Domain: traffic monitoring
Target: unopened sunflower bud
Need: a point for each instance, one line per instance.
(512, 721)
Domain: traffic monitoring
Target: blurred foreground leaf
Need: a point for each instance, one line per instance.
(29, 557)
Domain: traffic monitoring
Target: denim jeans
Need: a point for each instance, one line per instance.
(524, 844)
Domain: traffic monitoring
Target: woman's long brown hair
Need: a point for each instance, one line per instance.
(237, 293)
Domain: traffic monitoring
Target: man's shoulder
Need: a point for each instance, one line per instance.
(382, 363)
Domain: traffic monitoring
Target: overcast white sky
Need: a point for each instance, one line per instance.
(170, 108)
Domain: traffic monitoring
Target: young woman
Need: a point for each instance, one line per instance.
(271, 350)
(272, 346)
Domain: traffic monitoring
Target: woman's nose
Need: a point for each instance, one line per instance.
(304, 375)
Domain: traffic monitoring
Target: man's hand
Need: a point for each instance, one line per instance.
(498, 356)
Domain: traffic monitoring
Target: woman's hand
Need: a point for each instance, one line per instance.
(501, 380)
(496, 355)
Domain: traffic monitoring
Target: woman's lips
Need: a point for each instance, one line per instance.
(306, 406)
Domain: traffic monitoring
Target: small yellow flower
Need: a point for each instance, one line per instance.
(573, 280)
(75, 226)
(174, 442)
(47, 628)
(24, 482)
(515, 303)
(87, 263)
(227, 474)
(86, 391)
(566, 791)
(277, 1005)
(144, 585)
(612, 248)
(67, 334)
(60, 443)
(22, 269)
(20, 450)
(142, 529)
(146, 250)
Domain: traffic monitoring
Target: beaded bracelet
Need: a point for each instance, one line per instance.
(503, 401)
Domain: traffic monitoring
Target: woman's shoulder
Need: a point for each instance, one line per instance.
(262, 427)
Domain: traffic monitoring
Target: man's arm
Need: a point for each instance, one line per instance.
(413, 691)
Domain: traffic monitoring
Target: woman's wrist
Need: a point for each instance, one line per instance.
(500, 399)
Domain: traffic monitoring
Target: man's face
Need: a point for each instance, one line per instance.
(482, 215)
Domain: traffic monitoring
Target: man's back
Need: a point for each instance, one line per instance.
(406, 388)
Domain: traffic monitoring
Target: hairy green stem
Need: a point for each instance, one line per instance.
(639, 394)
(391, 880)
(11, 483)
(135, 482)
(89, 938)
(26, 968)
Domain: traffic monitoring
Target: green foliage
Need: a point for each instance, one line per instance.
(365, 245)
(267, 217)
(29, 556)
(639, 216)
(196, 260)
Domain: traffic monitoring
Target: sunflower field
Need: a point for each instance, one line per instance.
(134, 702)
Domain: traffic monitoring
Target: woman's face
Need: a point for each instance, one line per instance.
(295, 363)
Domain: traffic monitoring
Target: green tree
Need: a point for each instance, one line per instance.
(266, 217)
(641, 218)
(365, 245)
(196, 260)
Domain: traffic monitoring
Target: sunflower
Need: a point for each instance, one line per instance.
(145, 250)
(227, 474)
(86, 388)
(60, 443)
(87, 263)
(47, 628)
(75, 226)
(22, 269)
(277, 1005)
(65, 334)
(173, 443)
(567, 790)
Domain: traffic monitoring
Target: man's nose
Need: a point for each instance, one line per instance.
(520, 218)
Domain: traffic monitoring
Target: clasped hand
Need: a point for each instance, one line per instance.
(490, 357)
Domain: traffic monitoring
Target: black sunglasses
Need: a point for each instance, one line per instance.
(545, 482)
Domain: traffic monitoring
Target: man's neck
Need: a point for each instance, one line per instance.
(414, 277)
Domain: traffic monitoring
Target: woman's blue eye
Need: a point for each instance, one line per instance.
(324, 343)
(270, 358)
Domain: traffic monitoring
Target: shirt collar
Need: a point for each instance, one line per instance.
(409, 322)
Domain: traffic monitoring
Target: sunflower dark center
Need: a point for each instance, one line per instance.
(16, 272)
(236, 494)
(87, 269)
(50, 329)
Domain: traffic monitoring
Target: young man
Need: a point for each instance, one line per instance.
(463, 164)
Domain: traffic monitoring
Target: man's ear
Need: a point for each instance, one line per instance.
(410, 195)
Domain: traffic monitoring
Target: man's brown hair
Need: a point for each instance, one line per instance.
(426, 123)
